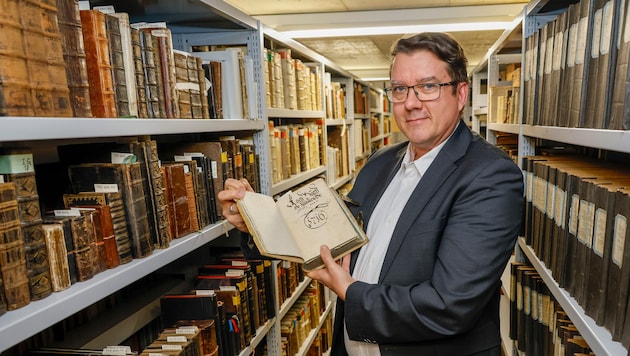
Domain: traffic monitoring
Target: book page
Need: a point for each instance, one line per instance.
(265, 223)
(315, 217)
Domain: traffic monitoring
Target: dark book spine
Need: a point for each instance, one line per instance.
(136, 206)
(117, 61)
(69, 20)
(158, 191)
(141, 88)
(151, 75)
(12, 253)
(203, 89)
(34, 242)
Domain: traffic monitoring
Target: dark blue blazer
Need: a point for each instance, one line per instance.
(438, 290)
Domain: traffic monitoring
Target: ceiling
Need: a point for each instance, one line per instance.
(367, 56)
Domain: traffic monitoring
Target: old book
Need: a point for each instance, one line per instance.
(12, 254)
(128, 60)
(158, 191)
(151, 75)
(16, 165)
(294, 227)
(99, 67)
(580, 72)
(203, 88)
(163, 53)
(114, 203)
(618, 282)
(184, 85)
(117, 60)
(177, 198)
(79, 242)
(57, 256)
(619, 119)
(141, 89)
(127, 179)
(69, 20)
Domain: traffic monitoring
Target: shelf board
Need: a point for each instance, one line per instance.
(598, 338)
(295, 180)
(294, 114)
(509, 128)
(53, 128)
(341, 181)
(338, 122)
(19, 324)
(612, 140)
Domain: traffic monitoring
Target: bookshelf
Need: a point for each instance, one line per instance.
(538, 124)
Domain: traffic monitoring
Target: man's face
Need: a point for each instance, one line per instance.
(426, 124)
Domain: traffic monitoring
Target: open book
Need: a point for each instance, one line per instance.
(294, 227)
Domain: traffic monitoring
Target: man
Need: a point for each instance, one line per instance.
(442, 212)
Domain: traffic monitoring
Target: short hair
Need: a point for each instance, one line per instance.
(443, 45)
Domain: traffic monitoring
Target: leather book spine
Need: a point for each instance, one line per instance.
(117, 61)
(99, 67)
(30, 221)
(97, 245)
(216, 70)
(15, 83)
(137, 210)
(141, 89)
(159, 192)
(139, 149)
(619, 87)
(151, 75)
(190, 176)
(12, 252)
(177, 198)
(128, 62)
(197, 97)
(57, 255)
(82, 242)
(203, 88)
(164, 50)
(182, 84)
(158, 59)
(46, 66)
(69, 20)
(201, 191)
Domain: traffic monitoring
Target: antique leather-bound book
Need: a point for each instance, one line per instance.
(196, 96)
(12, 253)
(158, 191)
(99, 67)
(177, 198)
(69, 20)
(203, 88)
(114, 204)
(150, 73)
(117, 61)
(183, 84)
(190, 175)
(207, 334)
(128, 180)
(105, 239)
(56, 82)
(16, 165)
(141, 89)
(163, 49)
(57, 256)
(78, 244)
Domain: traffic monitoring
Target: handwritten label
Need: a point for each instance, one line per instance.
(16, 163)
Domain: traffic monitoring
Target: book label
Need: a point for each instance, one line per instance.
(16, 163)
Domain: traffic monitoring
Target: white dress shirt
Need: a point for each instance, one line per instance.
(381, 227)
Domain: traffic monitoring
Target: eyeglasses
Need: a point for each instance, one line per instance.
(424, 92)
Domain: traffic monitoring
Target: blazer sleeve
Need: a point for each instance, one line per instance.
(472, 222)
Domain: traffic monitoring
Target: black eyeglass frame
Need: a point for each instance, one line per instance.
(388, 91)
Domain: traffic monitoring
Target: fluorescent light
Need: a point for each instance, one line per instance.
(375, 79)
(394, 30)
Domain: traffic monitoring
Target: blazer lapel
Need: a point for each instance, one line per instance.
(443, 165)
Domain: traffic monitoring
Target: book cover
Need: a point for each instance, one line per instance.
(294, 227)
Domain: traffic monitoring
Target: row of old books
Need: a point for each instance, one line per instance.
(303, 317)
(235, 294)
(294, 148)
(538, 325)
(576, 222)
(63, 62)
(105, 204)
(289, 82)
(576, 68)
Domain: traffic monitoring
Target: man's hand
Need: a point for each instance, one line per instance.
(335, 276)
(233, 190)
